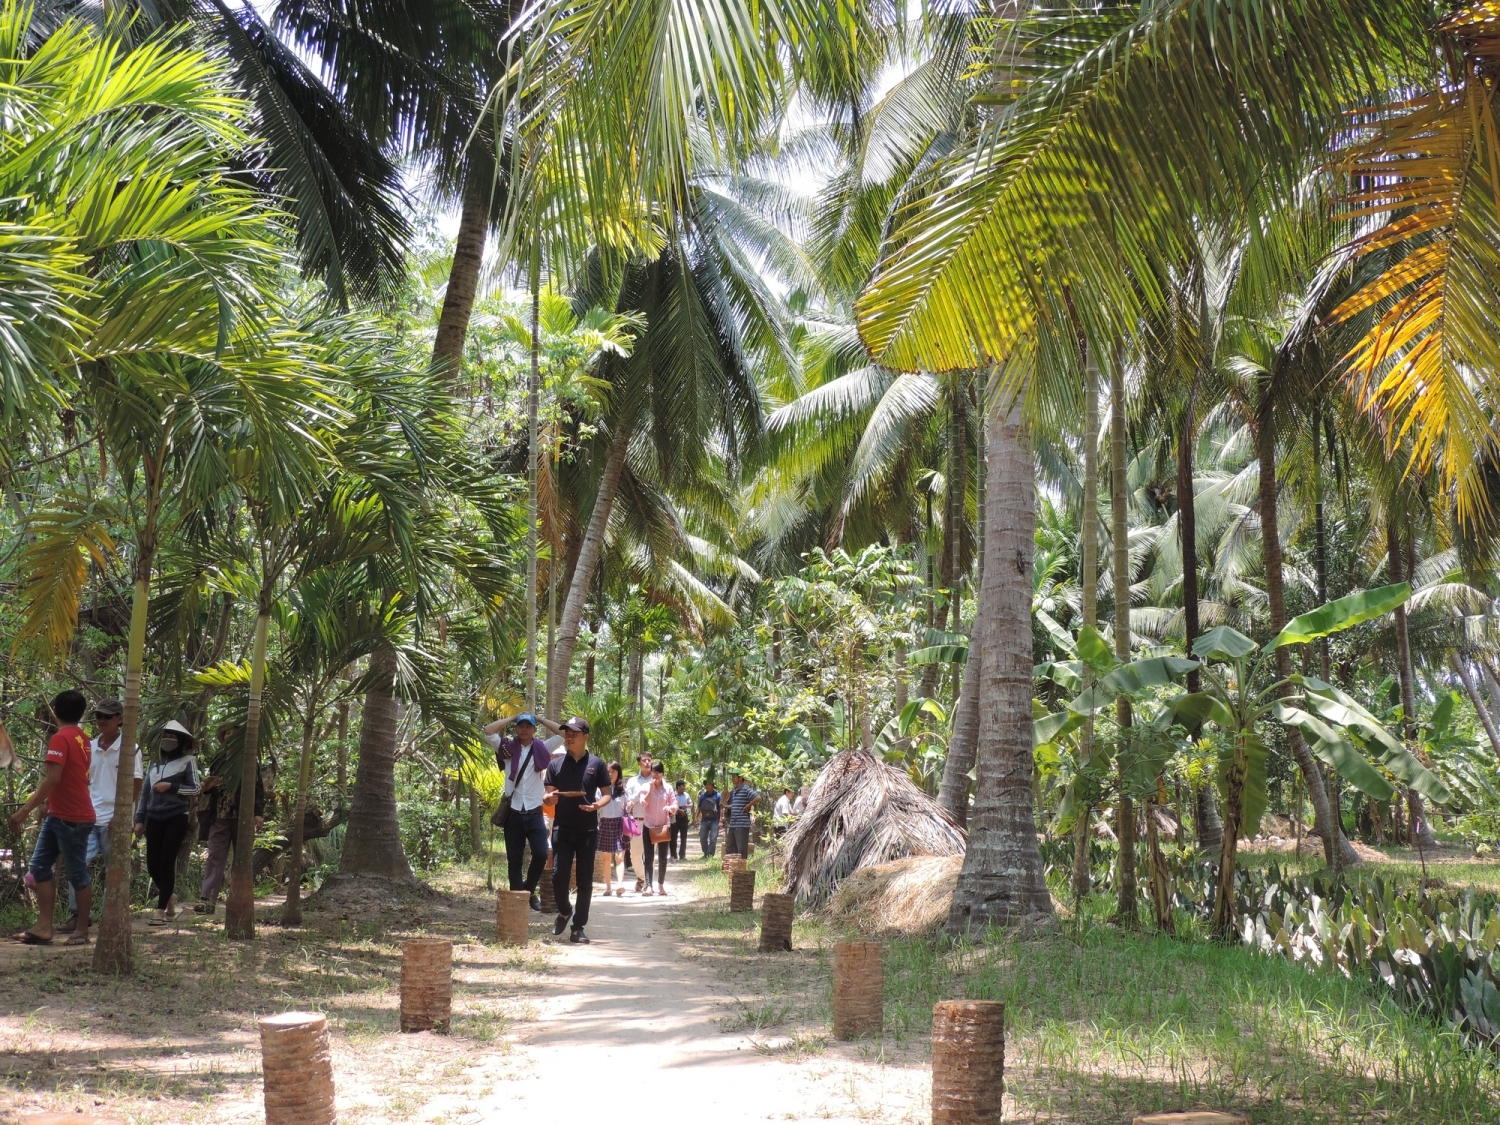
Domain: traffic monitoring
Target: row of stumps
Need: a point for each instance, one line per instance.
(968, 1036)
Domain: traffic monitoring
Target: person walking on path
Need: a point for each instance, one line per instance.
(67, 825)
(741, 800)
(523, 760)
(681, 821)
(611, 829)
(162, 814)
(222, 817)
(709, 802)
(660, 804)
(581, 782)
(783, 815)
(635, 790)
(104, 769)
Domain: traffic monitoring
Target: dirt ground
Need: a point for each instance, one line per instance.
(648, 1024)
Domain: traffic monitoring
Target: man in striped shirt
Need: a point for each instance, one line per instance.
(738, 803)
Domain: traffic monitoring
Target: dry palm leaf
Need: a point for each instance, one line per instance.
(1429, 367)
(862, 812)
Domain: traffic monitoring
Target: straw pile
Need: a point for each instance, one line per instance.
(909, 896)
(862, 812)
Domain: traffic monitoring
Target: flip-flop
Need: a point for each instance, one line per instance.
(26, 937)
(157, 922)
(77, 939)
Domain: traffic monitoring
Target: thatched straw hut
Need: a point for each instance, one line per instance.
(862, 812)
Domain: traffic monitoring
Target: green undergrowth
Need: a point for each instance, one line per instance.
(1103, 1024)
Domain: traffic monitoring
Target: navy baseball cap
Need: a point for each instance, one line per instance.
(526, 717)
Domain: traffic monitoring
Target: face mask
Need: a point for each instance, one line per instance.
(170, 748)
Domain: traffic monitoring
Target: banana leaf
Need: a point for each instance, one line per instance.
(1337, 707)
(1336, 751)
(1342, 613)
(1067, 674)
(1153, 671)
(1255, 796)
(1059, 636)
(940, 654)
(1093, 650)
(1223, 643)
(1201, 707)
(1055, 725)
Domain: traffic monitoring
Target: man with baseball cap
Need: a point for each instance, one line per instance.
(104, 770)
(523, 760)
(581, 782)
(737, 808)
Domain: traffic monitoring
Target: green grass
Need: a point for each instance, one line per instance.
(1104, 1024)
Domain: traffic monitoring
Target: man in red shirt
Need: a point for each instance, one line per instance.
(68, 825)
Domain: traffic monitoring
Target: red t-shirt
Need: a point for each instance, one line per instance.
(70, 800)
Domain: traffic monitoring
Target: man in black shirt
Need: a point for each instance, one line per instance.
(581, 782)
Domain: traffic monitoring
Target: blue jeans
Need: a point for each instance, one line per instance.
(69, 839)
(98, 846)
(522, 828)
(708, 835)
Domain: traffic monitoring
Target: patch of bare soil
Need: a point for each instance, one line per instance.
(177, 1041)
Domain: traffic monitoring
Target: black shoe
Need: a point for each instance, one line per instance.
(536, 902)
(560, 925)
(578, 937)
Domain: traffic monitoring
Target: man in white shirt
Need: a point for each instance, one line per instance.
(523, 760)
(104, 771)
(635, 798)
(781, 814)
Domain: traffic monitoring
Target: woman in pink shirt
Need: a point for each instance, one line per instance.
(661, 807)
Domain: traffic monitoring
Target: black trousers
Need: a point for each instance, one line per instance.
(575, 845)
(660, 851)
(679, 836)
(522, 828)
(163, 839)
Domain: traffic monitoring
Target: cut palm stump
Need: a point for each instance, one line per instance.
(1194, 1117)
(741, 891)
(298, 1069)
(858, 989)
(512, 915)
(544, 888)
(968, 1062)
(775, 922)
(427, 984)
(732, 863)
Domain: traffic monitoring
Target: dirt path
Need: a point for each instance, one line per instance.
(628, 1031)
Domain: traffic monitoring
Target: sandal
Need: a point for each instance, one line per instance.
(640, 885)
(77, 939)
(159, 920)
(26, 937)
(619, 892)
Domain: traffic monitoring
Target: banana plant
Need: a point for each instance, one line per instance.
(1240, 693)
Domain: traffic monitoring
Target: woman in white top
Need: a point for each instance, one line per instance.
(611, 822)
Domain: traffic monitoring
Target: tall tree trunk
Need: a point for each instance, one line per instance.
(588, 559)
(1465, 677)
(1126, 912)
(342, 780)
(533, 396)
(463, 278)
(1089, 534)
(1398, 558)
(953, 792)
(1206, 825)
(1001, 880)
(1336, 850)
(239, 907)
(291, 911)
(372, 842)
(1320, 540)
(112, 946)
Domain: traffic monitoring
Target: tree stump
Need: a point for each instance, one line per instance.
(513, 915)
(858, 989)
(603, 862)
(741, 891)
(775, 922)
(298, 1069)
(1193, 1117)
(732, 863)
(427, 984)
(544, 888)
(968, 1062)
